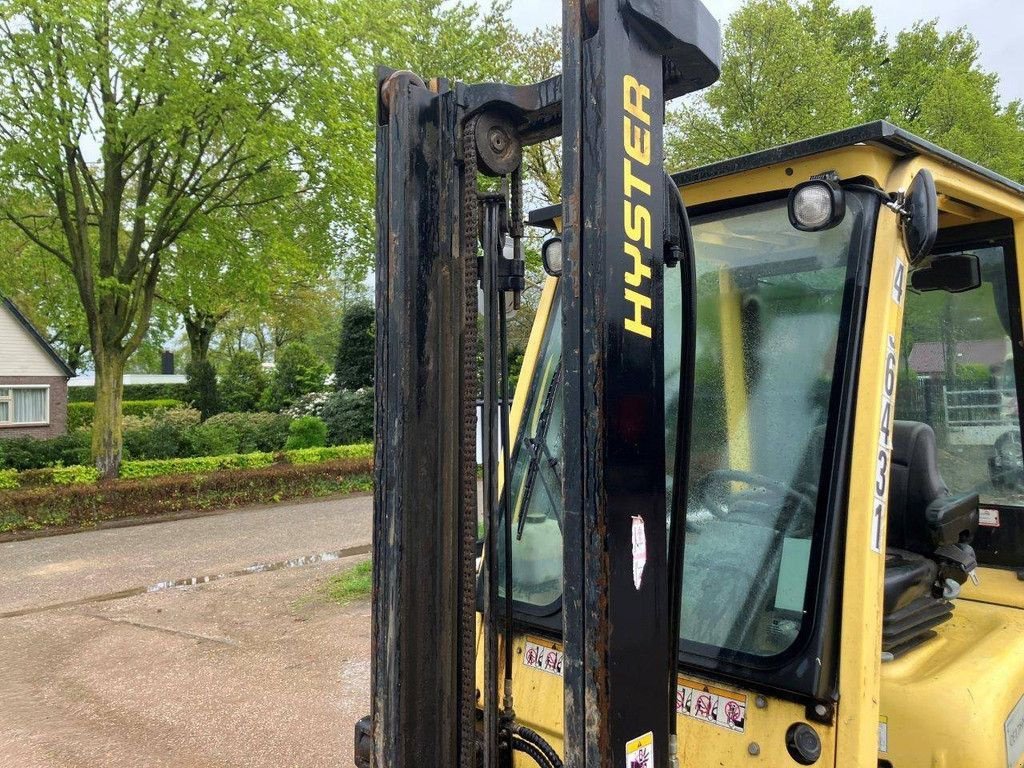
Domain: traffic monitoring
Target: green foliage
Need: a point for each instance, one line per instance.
(215, 440)
(148, 468)
(306, 432)
(160, 435)
(349, 416)
(202, 387)
(80, 413)
(297, 372)
(330, 453)
(255, 431)
(27, 453)
(353, 364)
(973, 374)
(133, 392)
(351, 584)
(243, 382)
(793, 69)
(84, 506)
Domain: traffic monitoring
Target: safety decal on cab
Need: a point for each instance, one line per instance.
(711, 705)
(542, 657)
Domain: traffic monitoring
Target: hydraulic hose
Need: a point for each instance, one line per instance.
(531, 737)
(534, 753)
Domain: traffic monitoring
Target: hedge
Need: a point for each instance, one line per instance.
(151, 468)
(80, 414)
(86, 505)
(133, 392)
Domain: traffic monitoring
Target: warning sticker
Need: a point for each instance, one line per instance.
(639, 550)
(883, 734)
(1014, 731)
(988, 517)
(711, 705)
(640, 751)
(542, 657)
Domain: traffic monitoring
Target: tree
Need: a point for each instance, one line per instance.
(243, 382)
(297, 372)
(202, 387)
(121, 123)
(353, 364)
(792, 70)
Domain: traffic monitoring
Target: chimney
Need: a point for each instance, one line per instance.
(167, 362)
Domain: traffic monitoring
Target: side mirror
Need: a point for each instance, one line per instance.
(921, 225)
(953, 273)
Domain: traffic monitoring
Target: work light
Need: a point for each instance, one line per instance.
(816, 205)
(551, 255)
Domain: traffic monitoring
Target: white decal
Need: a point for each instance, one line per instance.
(881, 496)
(883, 734)
(640, 751)
(542, 657)
(712, 705)
(988, 517)
(899, 280)
(1013, 728)
(639, 550)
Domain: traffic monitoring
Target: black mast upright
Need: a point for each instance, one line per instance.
(621, 60)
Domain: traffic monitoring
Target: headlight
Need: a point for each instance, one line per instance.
(551, 255)
(816, 205)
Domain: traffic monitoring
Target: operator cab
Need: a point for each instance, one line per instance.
(790, 449)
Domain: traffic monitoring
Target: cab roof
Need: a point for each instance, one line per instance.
(880, 133)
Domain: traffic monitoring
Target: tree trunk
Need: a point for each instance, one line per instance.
(200, 330)
(106, 425)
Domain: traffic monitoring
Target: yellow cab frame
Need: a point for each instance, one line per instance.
(957, 699)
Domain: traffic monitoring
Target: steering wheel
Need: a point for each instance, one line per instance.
(722, 477)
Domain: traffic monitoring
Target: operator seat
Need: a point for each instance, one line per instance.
(927, 543)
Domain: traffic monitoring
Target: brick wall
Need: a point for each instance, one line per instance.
(58, 408)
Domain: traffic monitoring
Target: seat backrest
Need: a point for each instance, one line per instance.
(915, 483)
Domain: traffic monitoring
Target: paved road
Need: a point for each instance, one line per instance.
(253, 670)
(43, 572)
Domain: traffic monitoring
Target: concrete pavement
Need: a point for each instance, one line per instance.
(250, 670)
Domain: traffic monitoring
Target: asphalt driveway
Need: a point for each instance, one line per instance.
(105, 661)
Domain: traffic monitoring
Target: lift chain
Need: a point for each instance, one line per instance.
(468, 253)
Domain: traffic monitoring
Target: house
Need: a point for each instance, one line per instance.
(33, 380)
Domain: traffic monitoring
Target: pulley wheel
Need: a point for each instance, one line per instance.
(497, 146)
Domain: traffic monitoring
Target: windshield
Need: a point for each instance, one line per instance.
(769, 300)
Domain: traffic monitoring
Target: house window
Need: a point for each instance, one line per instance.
(24, 405)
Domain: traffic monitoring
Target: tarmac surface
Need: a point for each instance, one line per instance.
(106, 661)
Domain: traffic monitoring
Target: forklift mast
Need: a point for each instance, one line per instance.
(623, 224)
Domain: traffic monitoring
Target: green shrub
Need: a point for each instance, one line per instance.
(202, 387)
(133, 470)
(306, 432)
(163, 434)
(81, 414)
(133, 392)
(297, 372)
(331, 453)
(353, 363)
(349, 416)
(216, 440)
(256, 431)
(23, 453)
(243, 382)
(8, 479)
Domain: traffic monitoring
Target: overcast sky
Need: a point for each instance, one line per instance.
(997, 24)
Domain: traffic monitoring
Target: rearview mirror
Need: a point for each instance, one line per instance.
(953, 273)
(921, 224)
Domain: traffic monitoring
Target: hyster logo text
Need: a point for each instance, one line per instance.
(636, 178)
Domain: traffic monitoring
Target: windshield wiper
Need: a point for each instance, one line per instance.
(538, 447)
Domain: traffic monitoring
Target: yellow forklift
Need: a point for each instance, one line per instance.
(759, 496)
